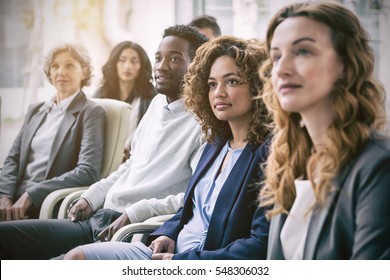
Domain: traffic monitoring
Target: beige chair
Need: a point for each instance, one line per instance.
(140, 231)
(115, 134)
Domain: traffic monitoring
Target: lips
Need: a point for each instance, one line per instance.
(221, 105)
(163, 78)
(288, 87)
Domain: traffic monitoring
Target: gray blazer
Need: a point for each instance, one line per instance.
(354, 223)
(75, 156)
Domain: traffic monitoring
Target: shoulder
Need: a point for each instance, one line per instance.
(87, 105)
(33, 109)
(35, 106)
(375, 150)
(372, 161)
(159, 100)
(263, 149)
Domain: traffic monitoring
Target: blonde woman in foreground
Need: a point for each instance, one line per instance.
(328, 174)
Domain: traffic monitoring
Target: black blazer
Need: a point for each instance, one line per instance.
(237, 230)
(355, 221)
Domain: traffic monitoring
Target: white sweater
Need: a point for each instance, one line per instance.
(165, 150)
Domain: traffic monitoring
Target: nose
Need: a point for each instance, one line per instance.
(61, 70)
(220, 90)
(162, 64)
(127, 64)
(284, 66)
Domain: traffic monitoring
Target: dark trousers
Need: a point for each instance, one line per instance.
(45, 239)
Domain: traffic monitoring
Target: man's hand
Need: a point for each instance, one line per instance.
(5, 208)
(81, 210)
(126, 154)
(107, 233)
(163, 244)
(21, 206)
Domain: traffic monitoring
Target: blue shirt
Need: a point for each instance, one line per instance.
(193, 234)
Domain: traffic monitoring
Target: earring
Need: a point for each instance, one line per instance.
(301, 123)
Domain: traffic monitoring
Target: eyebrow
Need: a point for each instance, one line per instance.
(298, 41)
(65, 61)
(170, 53)
(303, 39)
(226, 75)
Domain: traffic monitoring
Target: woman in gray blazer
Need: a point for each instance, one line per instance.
(60, 143)
(328, 173)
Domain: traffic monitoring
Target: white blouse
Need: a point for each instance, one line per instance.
(294, 231)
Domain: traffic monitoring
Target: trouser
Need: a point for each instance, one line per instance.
(45, 239)
(117, 251)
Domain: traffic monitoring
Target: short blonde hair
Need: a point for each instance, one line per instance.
(78, 52)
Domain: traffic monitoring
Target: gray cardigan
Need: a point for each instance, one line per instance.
(75, 156)
(354, 223)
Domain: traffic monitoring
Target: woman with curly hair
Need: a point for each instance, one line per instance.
(220, 218)
(328, 173)
(127, 76)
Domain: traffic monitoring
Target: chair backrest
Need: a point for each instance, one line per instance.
(115, 134)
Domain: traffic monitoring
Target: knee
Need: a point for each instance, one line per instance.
(75, 254)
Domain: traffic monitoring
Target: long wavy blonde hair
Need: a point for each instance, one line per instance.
(248, 55)
(358, 99)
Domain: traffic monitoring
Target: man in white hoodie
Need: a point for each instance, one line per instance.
(165, 150)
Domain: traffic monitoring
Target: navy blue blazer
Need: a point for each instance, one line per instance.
(237, 229)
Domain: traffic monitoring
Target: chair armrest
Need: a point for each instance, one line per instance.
(140, 231)
(161, 218)
(67, 201)
(135, 232)
(51, 202)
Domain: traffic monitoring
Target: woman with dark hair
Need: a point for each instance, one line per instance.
(328, 173)
(127, 76)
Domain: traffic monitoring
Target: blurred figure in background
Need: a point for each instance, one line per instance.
(60, 144)
(127, 76)
(207, 25)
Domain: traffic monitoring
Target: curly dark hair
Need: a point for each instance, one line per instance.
(248, 55)
(188, 33)
(143, 87)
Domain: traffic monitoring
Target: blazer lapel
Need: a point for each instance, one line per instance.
(320, 215)
(275, 250)
(227, 197)
(208, 157)
(66, 124)
(31, 129)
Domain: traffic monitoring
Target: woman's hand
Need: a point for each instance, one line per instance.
(21, 206)
(5, 208)
(162, 256)
(163, 244)
(107, 233)
(81, 210)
